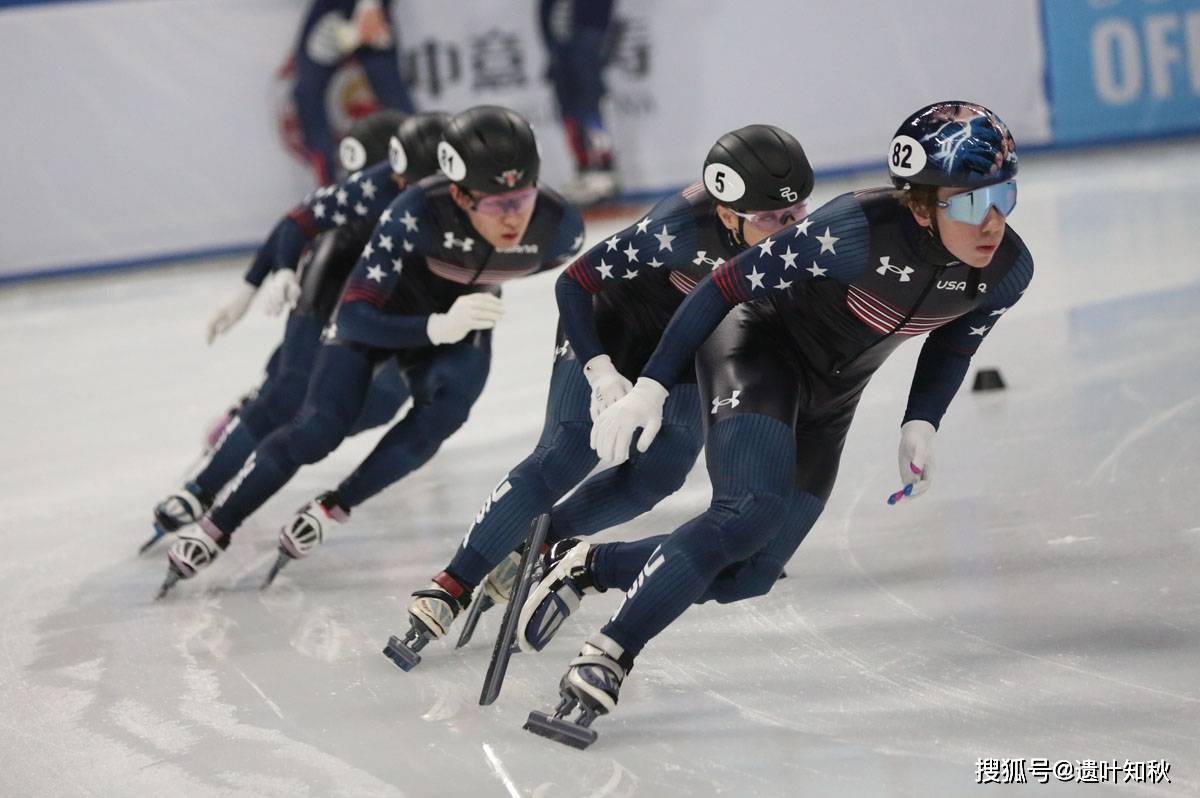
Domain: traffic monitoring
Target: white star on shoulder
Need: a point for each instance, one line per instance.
(398, 265)
(605, 270)
(386, 217)
(385, 242)
(816, 270)
(318, 211)
(408, 247)
(827, 242)
(339, 219)
(802, 228)
(630, 274)
(368, 250)
(360, 209)
(368, 189)
(577, 243)
(755, 277)
(643, 225)
(409, 221)
(342, 196)
(999, 312)
(765, 246)
(612, 243)
(375, 273)
(789, 258)
(630, 252)
(665, 239)
(784, 284)
(654, 263)
(980, 331)
(354, 177)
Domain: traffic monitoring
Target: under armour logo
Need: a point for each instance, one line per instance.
(789, 194)
(712, 264)
(903, 271)
(562, 351)
(509, 177)
(732, 401)
(450, 242)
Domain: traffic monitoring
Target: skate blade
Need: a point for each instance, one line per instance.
(168, 583)
(159, 534)
(560, 730)
(405, 658)
(481, 606)
(280, 562)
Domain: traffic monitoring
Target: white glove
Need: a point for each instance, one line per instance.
(331, 39)
(231, 312)
(281, 291)
(469, 312)
(915, 459)
(641, 407)
(608, 384)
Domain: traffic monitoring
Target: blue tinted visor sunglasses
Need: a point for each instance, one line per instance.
(972, 206)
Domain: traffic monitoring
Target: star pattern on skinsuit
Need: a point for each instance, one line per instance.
(360, 209)
(630, 253)
(765, 245)
(644, 225)
(386, 216)
(789, 258)
(784, 284)
(368, 189)
(802, 228)
(339, 218)
(330, 332)
(664, 240)
(319, 211)
(385, 242)
(397, 265)
(755, 277)
(827, 242)
(998, 312)
(605, 270)
(409, 221)
(980, 331)
(630, 274)
(368, 251)
(407, 245)
(375, 273)
(815, 270)
(654, 263)
(354, 177)
(612, 243)
(342, 196)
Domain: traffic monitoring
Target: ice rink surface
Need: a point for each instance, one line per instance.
(1042, 600)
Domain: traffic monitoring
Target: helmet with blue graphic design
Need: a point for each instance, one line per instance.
(952, 143)
(367, 141)
(412, 150)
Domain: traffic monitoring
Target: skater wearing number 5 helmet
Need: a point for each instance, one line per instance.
(798, 325)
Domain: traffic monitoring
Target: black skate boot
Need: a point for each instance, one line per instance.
(563, 578)
(429, 614)
(592, 685)
(183, 507)
(306, 530)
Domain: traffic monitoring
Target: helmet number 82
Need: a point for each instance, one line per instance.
(901, 153)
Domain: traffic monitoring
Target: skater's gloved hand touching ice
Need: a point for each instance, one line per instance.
(281, 291)
(608, 384)
(468, 313)
(641, 407)
(916, 459)
(231, 312)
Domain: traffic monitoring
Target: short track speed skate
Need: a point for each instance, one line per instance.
(429, 615)
(591, 685)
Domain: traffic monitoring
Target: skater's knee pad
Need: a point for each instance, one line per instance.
(745, 522)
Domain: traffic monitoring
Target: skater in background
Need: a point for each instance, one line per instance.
(576, 33)
(332, 32)
(614, 302)
(798, 325)
(425, 293)
(304, 264)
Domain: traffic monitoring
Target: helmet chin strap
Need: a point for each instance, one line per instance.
(739, 237)
(932, 248)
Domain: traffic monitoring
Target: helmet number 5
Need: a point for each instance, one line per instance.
(719, 181)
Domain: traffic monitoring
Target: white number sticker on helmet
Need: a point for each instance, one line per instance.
(352, 154)
(451, 162)
(397, 156)
(723, 183)
(906, 157)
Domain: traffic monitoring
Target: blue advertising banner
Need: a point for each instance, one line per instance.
(1120, 69)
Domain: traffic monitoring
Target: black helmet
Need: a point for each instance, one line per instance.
(367, 141)
(757, 168)
(489, 149)
(952, 143)
(413, 149)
